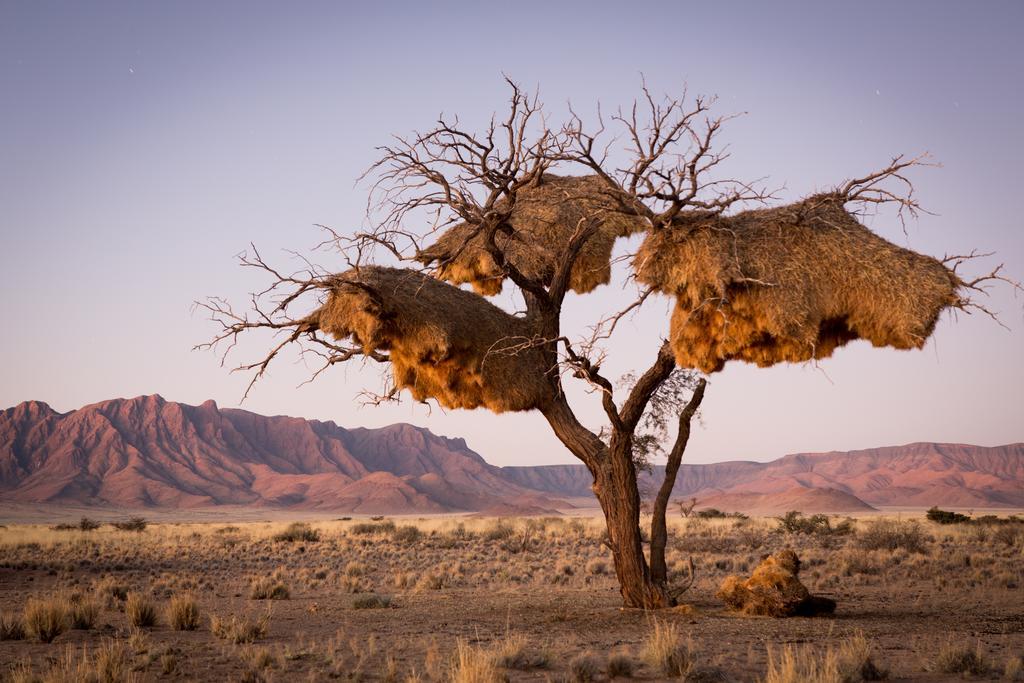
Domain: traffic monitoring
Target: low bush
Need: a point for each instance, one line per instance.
(132, 524)
(371, 528)
(794, 522)
(946, 517)
(298, 531)
(371, 601)
(406, 534)
(891, 534)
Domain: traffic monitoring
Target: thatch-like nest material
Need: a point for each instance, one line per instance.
(545, 217)
(443, 342)
(774, 590)
(790, 284)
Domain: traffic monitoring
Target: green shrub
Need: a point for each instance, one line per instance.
(946, 517)
(794, 522)
(713, 513)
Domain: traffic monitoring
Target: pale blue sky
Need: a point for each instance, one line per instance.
(142, 145)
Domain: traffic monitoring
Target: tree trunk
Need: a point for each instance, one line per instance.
(616, 490)
(659, 527)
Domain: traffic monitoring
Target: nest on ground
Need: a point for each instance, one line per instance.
(544, 219)
(790, 284)
(774, 590)
(443, 343)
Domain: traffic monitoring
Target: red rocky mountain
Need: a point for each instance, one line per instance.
(148, 452)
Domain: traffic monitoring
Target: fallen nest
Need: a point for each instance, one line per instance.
(774, 590)
(790, 284)
(544, 219)
(443, 343)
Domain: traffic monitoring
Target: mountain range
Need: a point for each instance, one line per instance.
(147, 452)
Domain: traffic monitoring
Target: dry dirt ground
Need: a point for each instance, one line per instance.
(470, 599)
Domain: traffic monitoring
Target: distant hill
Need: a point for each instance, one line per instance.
(915, 475)
(148, 452)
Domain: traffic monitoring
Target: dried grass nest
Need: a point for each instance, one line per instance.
(774, 590)
(791, 283)
(443, 342)
(545, 217)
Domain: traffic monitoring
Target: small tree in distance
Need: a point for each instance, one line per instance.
(541, 208)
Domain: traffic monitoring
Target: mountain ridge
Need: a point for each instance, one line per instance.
(147, 452)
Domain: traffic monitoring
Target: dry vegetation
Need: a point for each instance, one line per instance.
(472, 599)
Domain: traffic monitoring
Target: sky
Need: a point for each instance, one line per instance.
(144, 145)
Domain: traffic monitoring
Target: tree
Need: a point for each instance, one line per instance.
(493, 210)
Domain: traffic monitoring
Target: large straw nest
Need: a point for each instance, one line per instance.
(774, 590)
(543, 220)
(791, 283)
(443, 342)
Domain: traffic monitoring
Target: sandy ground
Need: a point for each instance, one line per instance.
(540, 590)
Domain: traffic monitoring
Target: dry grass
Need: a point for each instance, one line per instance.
(960, 658)
(666, 652)
(532, 606)
(11, 627)
(514, 652)
(109, 662)
(45, 618)
(620, 665)
(82, 611)
(183, 612)
(474, 665)
(240, 630)
(270, 587)
(140, 610)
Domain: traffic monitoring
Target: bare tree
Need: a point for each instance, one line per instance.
(477, 182)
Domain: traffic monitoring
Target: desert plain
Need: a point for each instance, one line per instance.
(470, 598)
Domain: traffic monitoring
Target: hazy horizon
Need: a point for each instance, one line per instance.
(142, 147)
